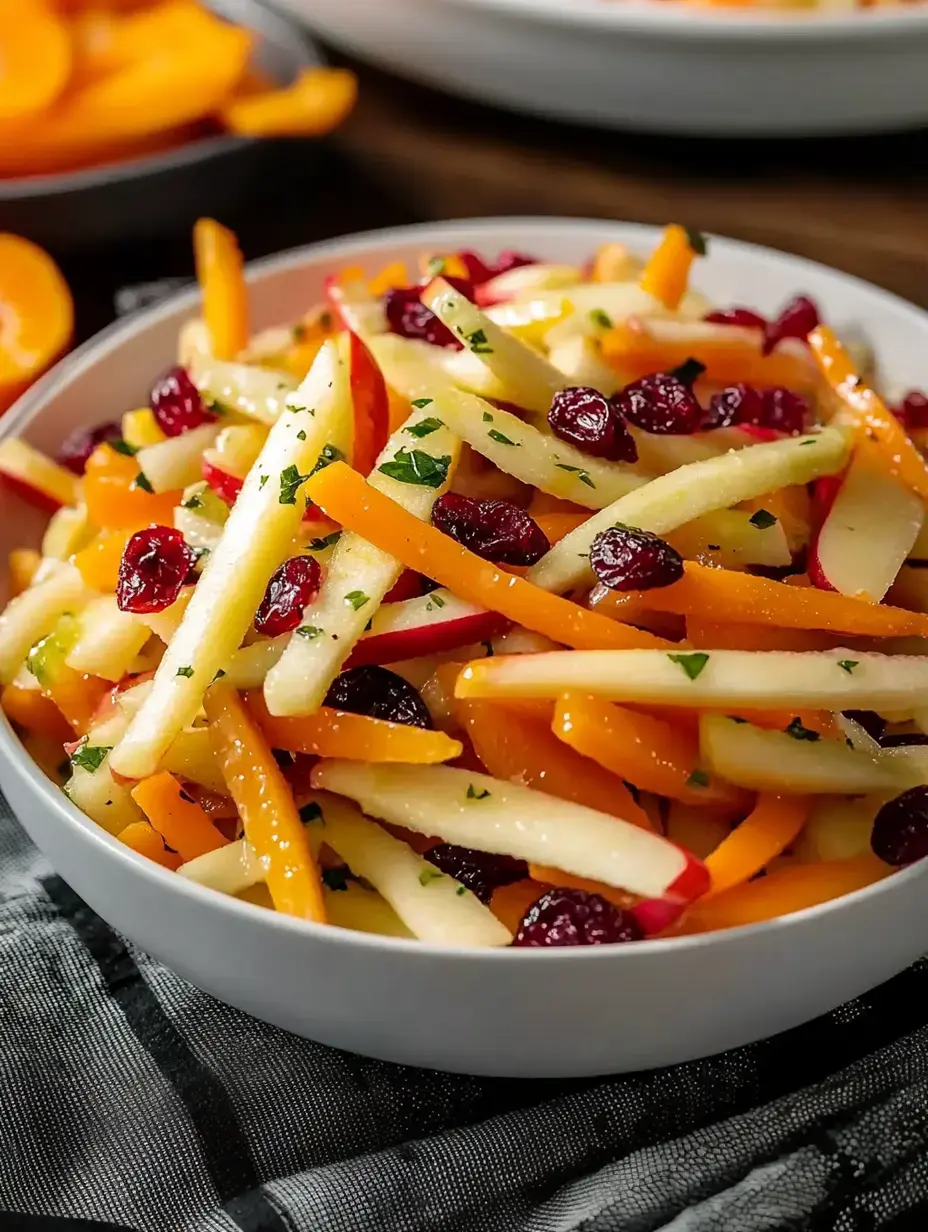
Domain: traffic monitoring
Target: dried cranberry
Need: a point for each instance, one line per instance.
(624, 558)
(574, 917)
(796, 320)
(409, 317)
(785, 411)
(153, 569)
(479, 271)
(497, 530)
(738, 404)
(291, 587)
(913, 409)
(662, 404)
(903, 740)
(585, 418)
(176, 403)
(743, 318)
(480, 871)
(380, 694)
(78, 447)
(900, 830)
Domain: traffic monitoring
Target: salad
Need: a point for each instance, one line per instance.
(493, 602)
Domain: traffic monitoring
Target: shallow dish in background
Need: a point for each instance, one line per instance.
(650, 65)
(140, 198)
(540, 1013)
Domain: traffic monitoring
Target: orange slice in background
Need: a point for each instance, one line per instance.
(318, 101)
(36, 315)
(35, 58)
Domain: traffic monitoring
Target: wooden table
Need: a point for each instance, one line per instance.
(410, 155)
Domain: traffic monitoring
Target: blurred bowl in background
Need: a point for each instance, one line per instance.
(651, 65)
(142, 198)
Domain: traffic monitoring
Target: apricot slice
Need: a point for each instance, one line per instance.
(36, 315)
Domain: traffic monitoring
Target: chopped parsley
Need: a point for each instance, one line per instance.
(798, 732)
(811, 442)
(310, 631)
(301, 435)
(311, 812)
(192, 502)
(184, 671)
(763, 519)
(848, 665)
(601, 318)
(697, 241)
(417, 467)
(582, 475)
(262, 481)
(473, 794)
(142, 482)
(357, 599)
(290, 482)
(498, 436)
(425, 427)
(435, 601)
(90, 756)
(327, 541)
(688, 371)
(329, 455)
(336, 878)
(477, 341)
(435, 266)
(692, 664)
(429, 875)
(487, 417)
(698, 778)
(419, 403)
(461, 890)
(123, 447)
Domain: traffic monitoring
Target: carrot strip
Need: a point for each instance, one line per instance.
(351, 502)
(220, 273)
(510, 902)
(35, 712)
(334, 733)
(866, 412)
(784, 891)
(114, 499)
(725, 595)
(176, 816)
(265, 804)
(521, 748)
(76, 696)
(821, 721)
(567, 881)
(639, 748)
(717, 635)
(630, 347)
(557, 525)
(773, 825)
(141, 837)
(541, 503)
(23, 564)
(99, 561)
(667, 272)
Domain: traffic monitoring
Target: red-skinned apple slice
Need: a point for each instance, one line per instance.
(870, 527)
(223, 484)
(37, 478)
(371, 405)
(474, 810)
(424, 626)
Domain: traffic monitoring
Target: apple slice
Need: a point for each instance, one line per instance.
(226, 464)
(101, 797)
(730, 539)
(580, 362)
(776, 761)
(363, 911)
(257, 538)
(720, 679)
(838, 828)
(536, 458)
(690, 492)
(175, 463)
(426, 625)
(34, 613)
(108, 640)
(360, 574)
(474, 810)
(526, 281)
(257, 393)
(870, 529)
(67, 532)
(597, 305)
(530, 380)
(355, 307)
(37, 478)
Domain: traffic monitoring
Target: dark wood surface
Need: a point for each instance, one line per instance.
(410, 155)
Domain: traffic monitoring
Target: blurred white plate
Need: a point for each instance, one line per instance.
(657, 65)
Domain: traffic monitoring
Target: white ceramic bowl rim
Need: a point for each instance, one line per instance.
(359, 244)
(673, 18)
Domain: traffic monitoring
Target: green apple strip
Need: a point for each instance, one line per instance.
(537, 458)
(108, 640)
(177, 462)
(256, 539)
(257, 393)
(530, 380)
(103, 799)
(717, 679)
(677, 498)
(414, 468)
(33, 614)
(474, 810)
(783, 762)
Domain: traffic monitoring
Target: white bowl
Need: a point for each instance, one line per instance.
(657, 65)
(509, 1012)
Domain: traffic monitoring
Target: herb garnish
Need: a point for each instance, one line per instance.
(428, 875)
(327, 541)
(477, 341)
(192, 502)
(142, 482)
(487, 417)
(417, 467)
(290, 482)
(798, 732)
(697, 241)
(582, 475)
(419, 403)
(90, 756)
(184, 671)
(310, 631)
(329, 455)
(763, 519)
(425, 427)
(692, 664)
(698, 778)
(123, 447)
(473, 794)
(848, 664)
(494, 435)
(311, 812)
(357, 599)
